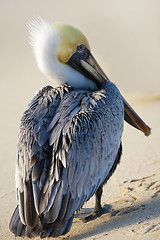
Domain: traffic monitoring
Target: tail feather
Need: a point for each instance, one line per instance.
(19, 229)
(40, 230)
(15, 225)
(58, 230)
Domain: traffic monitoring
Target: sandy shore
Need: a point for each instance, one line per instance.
(131, 197)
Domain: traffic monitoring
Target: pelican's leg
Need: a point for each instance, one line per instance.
(98, 210)
(98, 207)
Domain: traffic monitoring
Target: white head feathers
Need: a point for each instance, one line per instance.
(46, 41)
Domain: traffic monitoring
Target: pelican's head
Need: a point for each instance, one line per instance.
(63, 53)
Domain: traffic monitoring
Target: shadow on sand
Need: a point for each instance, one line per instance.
(117, 218)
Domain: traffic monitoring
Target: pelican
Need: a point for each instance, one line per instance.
(70, 136)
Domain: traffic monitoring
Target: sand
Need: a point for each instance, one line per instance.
(124, 36)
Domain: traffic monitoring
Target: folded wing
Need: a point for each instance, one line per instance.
(68, 144)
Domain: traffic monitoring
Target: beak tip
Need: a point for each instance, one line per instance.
(148, 132)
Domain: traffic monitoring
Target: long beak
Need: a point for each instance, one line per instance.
(130, 116)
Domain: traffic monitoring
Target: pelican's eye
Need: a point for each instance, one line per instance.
(81, 48)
